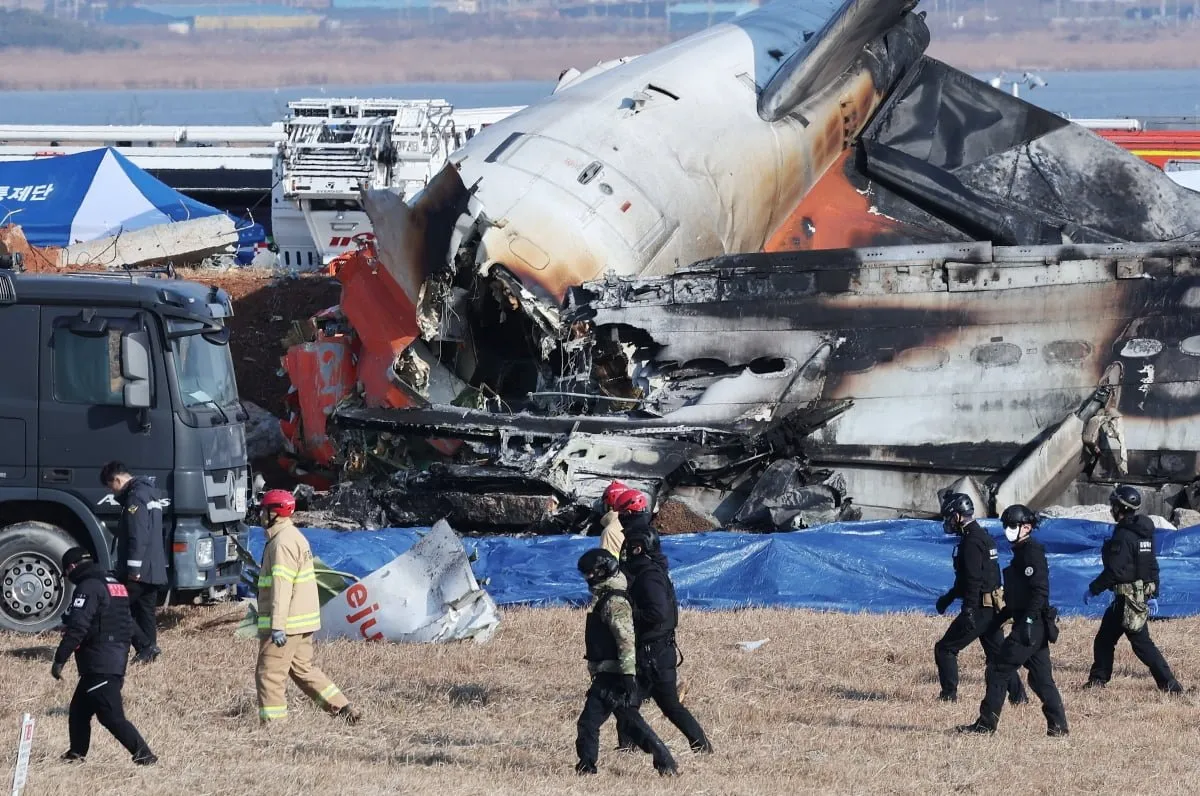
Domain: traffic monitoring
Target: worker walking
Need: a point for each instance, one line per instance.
(141, 553)
(289, 613)
(609, 650)
(655, 618)
(1131, 572)
(1027, 596)
(96, 629)
(977, 584)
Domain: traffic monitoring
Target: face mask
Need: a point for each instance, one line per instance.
(1012, 534)
(949, 525)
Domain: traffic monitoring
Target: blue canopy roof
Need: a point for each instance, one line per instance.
(96, 194)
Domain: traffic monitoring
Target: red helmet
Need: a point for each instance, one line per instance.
(279, 501)
(630, 501)
(614, 491)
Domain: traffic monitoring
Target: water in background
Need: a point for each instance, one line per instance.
(1138, 94)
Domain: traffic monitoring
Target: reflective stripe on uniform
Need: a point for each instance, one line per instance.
(301, 623)
(270, 712)
(265, 581)
(304, 575)
(133, 563)
(329, 693)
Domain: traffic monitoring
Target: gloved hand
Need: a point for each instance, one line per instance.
(278, 638)
(56, 670)
(1087, 595)
(1021, 629)
(944, 601)
(1152, 604)
(630, 693)
(968, 615)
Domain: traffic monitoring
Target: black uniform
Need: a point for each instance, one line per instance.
(1128, 556)
(97, 629)
(976, 573)
(1027, 598)
(655, 617)
(142, 557)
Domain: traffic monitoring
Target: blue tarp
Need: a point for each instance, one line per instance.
(59, 201)
(894, 565)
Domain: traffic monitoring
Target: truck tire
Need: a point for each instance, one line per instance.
(33, 590)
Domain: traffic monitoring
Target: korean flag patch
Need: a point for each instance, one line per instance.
(79, 602)
(1028, 571)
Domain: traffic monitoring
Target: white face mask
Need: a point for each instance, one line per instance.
(1012, 534)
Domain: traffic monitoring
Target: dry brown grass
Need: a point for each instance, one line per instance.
(831, 704)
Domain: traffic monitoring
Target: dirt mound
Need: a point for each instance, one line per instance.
(264, 307)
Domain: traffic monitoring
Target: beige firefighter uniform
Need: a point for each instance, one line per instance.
(612, 535)
(288, 601)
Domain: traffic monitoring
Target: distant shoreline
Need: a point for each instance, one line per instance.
(281, 63)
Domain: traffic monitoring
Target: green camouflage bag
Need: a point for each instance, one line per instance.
(1135, 611)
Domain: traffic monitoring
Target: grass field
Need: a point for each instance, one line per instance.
(830, 704)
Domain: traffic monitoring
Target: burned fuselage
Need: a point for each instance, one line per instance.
(791, 238)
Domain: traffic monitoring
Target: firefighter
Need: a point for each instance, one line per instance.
(97, 628)
(141, 553)
(289, 613)
(1131, 572)
(1027, 597)
(655, 617)
(609, 645)
(977, 584)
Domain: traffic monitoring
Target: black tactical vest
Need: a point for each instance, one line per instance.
(599, 641)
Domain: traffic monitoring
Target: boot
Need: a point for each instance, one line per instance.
(1057, 731)
(978, 728)
(702, 747)
(667, 769)
(947, 696)
(72, 757)
(1172, 688)
(1094, 682)
(585, 768)
(145, 758)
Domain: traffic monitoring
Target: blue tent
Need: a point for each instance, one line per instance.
(92, 195)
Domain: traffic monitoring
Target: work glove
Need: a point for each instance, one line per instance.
(1152, 604)
(630, 694)
(56, 670)
(1022, 630)
(968, 615)
(1087, 595)
(944, 601)
(278, 638)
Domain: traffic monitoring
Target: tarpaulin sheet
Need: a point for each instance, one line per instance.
(59, 201)
(883, 566)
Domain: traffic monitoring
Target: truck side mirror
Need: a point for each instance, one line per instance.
(135, 367)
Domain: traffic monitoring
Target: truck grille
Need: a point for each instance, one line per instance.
(8, 293)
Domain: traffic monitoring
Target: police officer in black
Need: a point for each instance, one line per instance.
(609, 644)
(141, 553)
(1129, 560)
(97, 629)
(977, 584)
(1027, 603)
(655, 617)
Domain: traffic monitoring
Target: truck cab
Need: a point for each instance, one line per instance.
(104, 366)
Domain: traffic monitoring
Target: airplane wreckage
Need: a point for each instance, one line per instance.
(787, 270)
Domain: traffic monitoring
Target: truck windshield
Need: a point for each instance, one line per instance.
(205, 372)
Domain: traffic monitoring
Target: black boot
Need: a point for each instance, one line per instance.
(947, 696)
(1094, 682)
(72, 757)
(1172, 688)
(585, 768)
(1058, 731)
(980, 727)
(145, 757)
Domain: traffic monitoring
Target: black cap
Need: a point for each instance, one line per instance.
(74, 556)
(598, 561)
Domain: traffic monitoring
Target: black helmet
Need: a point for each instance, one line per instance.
(957, 503)
(1017, 515)
(597, 565)
(644, 537)
(73, 556)
(1125, 499)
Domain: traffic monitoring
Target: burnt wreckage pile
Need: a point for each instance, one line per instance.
(967, 289)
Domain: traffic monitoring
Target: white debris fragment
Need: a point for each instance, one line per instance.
(751, 646)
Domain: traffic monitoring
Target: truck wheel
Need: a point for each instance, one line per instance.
(33, 589)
